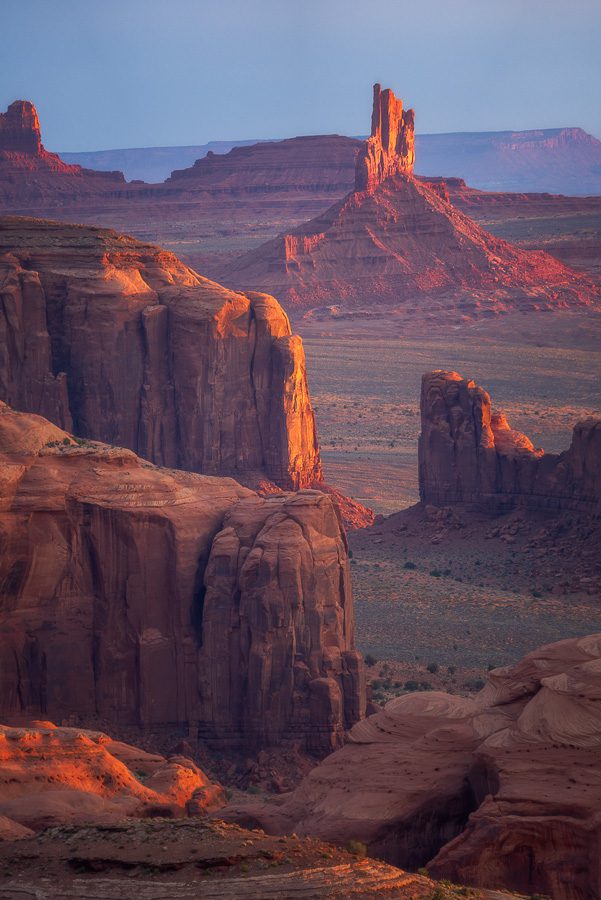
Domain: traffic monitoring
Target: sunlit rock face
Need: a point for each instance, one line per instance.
(469, 454)
(20, 129)
(51, 776)
(128, 590)
(120, 341)
(390, 150)
(397, 241)
(501, 790)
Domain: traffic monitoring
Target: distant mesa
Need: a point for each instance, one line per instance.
(397, 242)
(470, 455)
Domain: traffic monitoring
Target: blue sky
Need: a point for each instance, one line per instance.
(130, 73)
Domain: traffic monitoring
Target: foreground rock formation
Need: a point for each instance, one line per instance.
(183, 860)
(57, 776)
(397, 241)
(30, 174)
(469, 454)
(499, 790)
(128, 590)
(121, 342)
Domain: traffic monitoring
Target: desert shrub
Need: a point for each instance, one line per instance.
(425, 686)
(474, 684)
(357, 848)
(451, 669)
(411, 685)
(536, 593)
(432, 668)
(370, 660)
(436, 573)
(409, 565)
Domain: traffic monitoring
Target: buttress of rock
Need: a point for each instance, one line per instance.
(20, 129)
(469, 454)
(391, 148)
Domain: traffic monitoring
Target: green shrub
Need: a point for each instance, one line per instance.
(409, 565)
(357, 848)
(411, 685)
(432, 668)
(370, 660)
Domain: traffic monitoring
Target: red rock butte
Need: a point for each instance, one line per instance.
(470, 455)
(398, 242)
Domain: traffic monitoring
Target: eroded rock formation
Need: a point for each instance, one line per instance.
(124, 586)
(57, 776)
(503, 789)
(121, 342)
(390, 150)
(398, 241)
(30, 174)
(469, 454)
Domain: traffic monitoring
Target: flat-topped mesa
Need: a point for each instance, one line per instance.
(469, 454)
(391, 148)
(20, 129)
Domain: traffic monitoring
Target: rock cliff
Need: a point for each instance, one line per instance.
(120, 341)
(125, 586)
(398, 241)
(390, 150)
(469, 454)
(502, 790)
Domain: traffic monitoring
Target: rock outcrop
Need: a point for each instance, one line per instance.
(57, 776)
(502, 790)
(397, 241)
(121, 342)
(469, 454)
(125, 589)
(390, 150)
(30, 174)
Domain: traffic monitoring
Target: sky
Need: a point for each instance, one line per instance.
(132, 73)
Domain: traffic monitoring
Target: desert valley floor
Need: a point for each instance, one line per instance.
(544, 372)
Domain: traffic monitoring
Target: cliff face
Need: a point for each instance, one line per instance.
(498, 791)
(119, 341)
(125, 588)
(390, 150)
(469, 454)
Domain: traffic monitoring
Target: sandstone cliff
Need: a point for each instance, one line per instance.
(469, 454)
(120, 341)
(125, 588)
(398, 241)
(503, 789)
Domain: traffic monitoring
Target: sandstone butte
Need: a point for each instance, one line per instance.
(150, 597)
(397, 241)
(119, 341)
(30, 174)
(470, 455)
(502, 789)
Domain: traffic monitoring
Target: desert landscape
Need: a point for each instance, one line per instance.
(300, 459)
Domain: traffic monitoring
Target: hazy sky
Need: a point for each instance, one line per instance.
(131, 73)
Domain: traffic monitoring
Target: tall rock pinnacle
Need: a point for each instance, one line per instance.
(391, 148)
(20, 129)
